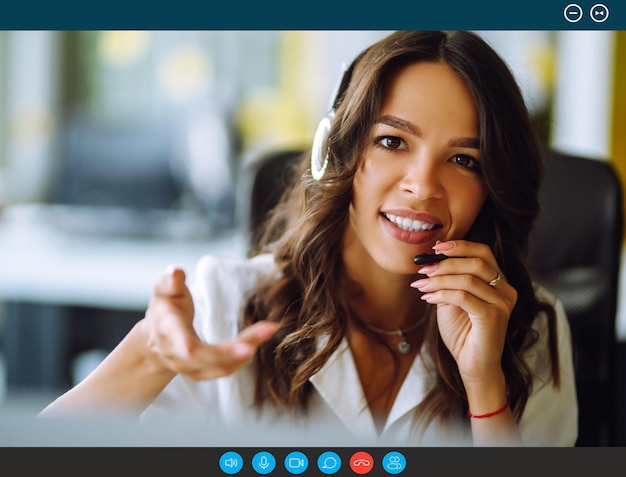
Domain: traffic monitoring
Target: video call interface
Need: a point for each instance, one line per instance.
(534, 55)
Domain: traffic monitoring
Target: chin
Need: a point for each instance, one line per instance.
(401, 265)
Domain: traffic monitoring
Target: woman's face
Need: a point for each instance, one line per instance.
(420, 176)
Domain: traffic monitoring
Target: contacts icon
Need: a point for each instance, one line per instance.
(394, 463)
(329, 463)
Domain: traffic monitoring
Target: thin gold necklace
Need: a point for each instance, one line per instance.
(403, 346)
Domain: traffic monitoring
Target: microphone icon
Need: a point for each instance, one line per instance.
(263, 462)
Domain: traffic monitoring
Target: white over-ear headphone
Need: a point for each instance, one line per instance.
(319, 160)
(319, 156)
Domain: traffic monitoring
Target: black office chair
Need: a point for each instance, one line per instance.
(574, 252)
(264, 177)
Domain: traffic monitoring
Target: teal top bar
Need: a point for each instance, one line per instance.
(316, 15)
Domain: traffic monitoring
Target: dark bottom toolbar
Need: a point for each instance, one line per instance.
(307, 461)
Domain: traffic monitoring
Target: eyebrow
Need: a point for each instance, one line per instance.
(409, 127)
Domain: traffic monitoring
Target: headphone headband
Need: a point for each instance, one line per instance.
(319, 159)
(343, 82)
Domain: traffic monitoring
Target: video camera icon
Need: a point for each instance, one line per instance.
(296, 462)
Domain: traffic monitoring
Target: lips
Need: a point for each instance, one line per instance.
(409, 227)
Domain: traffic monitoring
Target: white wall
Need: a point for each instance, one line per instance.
(31, 97)
(583, 100)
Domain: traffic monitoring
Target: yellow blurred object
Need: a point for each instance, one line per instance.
(543, 57)
(32, 126)
(185, 73)
(618, 120)
(272, 118)
(285, 115)
(122, 48)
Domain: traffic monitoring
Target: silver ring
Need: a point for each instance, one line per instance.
(495, 282)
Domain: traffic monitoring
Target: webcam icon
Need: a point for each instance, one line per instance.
(296, 462)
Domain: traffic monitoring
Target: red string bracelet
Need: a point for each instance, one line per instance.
(489, 414)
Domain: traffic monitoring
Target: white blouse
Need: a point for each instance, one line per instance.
(338, 409)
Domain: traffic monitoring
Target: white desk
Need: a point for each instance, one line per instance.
(40, 263)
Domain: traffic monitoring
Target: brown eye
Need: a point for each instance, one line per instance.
(466, 161)
(390, 142)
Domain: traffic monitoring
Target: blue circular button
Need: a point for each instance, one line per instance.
(296, 462)
(394, 462)
(329, 463)
(263, 462)
(231, 462)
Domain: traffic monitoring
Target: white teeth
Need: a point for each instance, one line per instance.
(408, 224)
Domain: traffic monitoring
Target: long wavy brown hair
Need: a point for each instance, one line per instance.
(306, 229)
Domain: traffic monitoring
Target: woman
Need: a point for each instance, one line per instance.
(429, 150)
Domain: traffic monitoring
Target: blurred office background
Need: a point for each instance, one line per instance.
(122, 152)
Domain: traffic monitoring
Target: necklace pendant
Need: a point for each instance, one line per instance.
(404, 346)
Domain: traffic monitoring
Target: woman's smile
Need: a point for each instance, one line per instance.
(411, 230)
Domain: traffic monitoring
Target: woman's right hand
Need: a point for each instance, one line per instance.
(172, 339)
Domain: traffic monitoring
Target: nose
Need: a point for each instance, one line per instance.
(423, 177)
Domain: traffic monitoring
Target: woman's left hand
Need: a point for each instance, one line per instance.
(472, 314)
